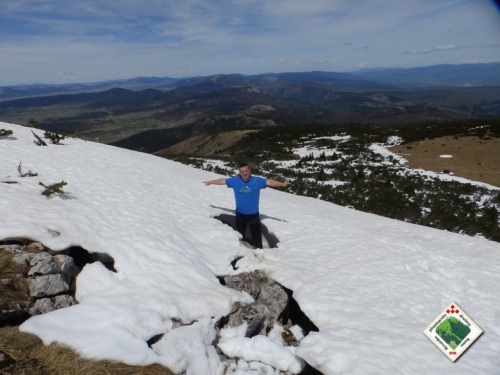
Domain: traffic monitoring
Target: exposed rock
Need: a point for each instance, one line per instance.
(34, 247)
(42, 306)
(255, 315)
(273, 314)
(274, 297)
(263, 289)
(63, 301)
(49, 278)
(47, 285)
(45, 305)
(271, 301)
(247, 281)
(11, 248)
(43, 264)
(66, 265)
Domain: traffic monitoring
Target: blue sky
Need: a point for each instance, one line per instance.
(61, 41)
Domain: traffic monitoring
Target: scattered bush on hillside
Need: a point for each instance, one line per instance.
(32, 123)
(53, 189)
(371, 182)
(39, 141)
(4, 133)
(54, 138)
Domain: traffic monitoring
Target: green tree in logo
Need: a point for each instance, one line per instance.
(452, 331)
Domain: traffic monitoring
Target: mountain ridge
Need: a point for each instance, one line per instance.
(436, 75)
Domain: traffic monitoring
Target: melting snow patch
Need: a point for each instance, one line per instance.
(306, 151)
(382, 150)
(394, 140)
(261, 348)
(342, 138)
(446, 156)
(334, 183)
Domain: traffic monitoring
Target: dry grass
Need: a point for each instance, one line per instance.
(206, 144)
(33, 358)
(14, 293)
(472, 157)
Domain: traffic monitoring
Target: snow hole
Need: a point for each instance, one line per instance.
(268, 237)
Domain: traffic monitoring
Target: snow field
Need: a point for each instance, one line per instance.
(370, 284)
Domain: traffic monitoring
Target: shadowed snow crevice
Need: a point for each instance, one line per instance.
(268, 237)
(83, 257)
(153, 340)
(275, 318)
(297, 316)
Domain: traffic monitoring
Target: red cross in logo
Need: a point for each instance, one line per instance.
(453, 311)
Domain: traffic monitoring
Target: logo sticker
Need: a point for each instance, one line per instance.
(453, 331)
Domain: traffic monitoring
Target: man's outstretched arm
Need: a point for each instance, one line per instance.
(219, 181)
(274, 183)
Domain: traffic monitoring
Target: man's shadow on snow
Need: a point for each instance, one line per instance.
(230, 220)
(262, 216)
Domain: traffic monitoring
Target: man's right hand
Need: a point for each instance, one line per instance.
(219, 181)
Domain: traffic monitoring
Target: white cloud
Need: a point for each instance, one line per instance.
(127, 37)
(449, 46)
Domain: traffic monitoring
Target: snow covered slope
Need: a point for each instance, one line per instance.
(369, 283)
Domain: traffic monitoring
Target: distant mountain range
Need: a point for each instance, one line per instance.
(464, 75)
(159, 112)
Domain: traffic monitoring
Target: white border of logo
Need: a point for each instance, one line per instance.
(453, 310)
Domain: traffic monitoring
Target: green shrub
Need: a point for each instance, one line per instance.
(4, 133)
(54, 138)
(53, 189)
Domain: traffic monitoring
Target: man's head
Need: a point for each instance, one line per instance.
(245, 171)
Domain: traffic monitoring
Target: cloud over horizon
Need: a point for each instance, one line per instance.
(450, 47)
(44, 41)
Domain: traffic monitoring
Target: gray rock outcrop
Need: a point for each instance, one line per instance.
(48, 280)
(47, 285)
(67, 266)
(43, 264)
(271, 301)
(45, 305)
(269, 315)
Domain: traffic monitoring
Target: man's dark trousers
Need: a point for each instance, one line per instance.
(253, 222)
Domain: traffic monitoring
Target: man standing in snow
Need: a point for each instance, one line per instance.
(247, 192)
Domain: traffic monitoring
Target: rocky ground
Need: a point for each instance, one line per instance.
(48, 284)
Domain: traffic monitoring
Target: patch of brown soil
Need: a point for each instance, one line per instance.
(471, 157)
(206, 144)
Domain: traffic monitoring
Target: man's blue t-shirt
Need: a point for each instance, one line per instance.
(246, 193)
